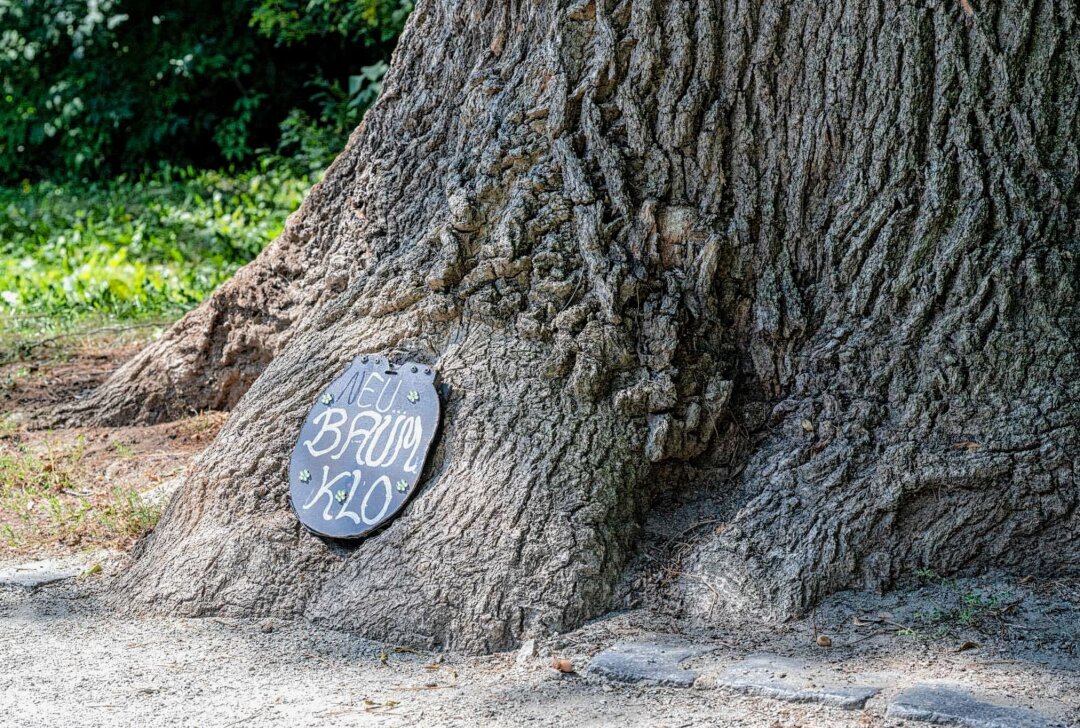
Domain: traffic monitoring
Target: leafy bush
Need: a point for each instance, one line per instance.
(290, 22)
(314, 140)
(89, 88)
(158, 243)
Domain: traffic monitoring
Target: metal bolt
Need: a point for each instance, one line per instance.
(414, 370)
(364, 360)
(427, 371)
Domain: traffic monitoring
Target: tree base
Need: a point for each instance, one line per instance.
(617, 228)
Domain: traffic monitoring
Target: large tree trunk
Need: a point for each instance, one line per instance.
(628, 233)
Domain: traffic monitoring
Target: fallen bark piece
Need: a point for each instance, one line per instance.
(947, 705)
(793, 681)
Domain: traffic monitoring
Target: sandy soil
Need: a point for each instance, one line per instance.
(68, 660)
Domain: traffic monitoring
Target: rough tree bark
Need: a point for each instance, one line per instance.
(618, 228)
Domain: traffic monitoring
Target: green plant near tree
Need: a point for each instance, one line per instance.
(952, 607)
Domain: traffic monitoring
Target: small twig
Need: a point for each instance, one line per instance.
(865, 637)
(570, 301)
(23, 316)
(897, 624)
(1004, 609)
(694, 527)
(702, 580)
(90, 332)
(980, 663)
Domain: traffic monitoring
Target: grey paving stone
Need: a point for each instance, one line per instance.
(946, 705)
(648, 662)
(37, 573)
(793, 681)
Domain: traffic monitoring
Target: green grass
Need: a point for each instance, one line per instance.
(135, 248)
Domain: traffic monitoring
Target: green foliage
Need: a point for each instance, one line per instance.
(157, 243)
(89, 88)
(369, 21)
(314, 140)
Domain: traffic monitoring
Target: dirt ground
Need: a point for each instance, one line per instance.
(69, 659)
(68, 490)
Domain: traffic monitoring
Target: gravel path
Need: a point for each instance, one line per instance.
(70, 661)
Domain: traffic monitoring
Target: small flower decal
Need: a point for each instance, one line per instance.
(327, 399)
(413, 396)
(340, 496)
(305, 476)
(401, 486)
